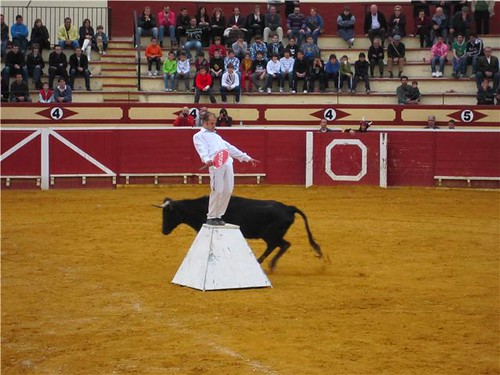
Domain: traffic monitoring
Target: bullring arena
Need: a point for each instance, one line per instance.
(408, 220)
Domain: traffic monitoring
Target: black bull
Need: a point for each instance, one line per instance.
(257, 219)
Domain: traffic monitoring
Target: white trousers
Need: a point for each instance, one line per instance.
(222, 185)
(87, 47)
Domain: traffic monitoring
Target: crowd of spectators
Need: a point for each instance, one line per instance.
(22, 56)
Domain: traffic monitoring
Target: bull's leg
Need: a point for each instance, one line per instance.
(284, 247)
(266, 253)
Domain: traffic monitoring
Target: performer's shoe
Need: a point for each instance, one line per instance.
(218, 222)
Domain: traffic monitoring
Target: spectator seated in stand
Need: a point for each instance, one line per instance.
(375, 24)
(310, 50)
(19, 33)
(217, 46)
(314, 25)
(15, 63)
(35, 65)
(396, 52)
(4, 37)
(153, 55)
(216, 67)
(258, 46)
(460, 23)
(259, 72)
(296, 25)
(169, 71)
(361, 68)
(67, 35)
(200, 60)
(397, 23)
(483, 11)
(193, 38)
(439, 25)
(255, 24)
(286, 68)
(45, 95)
(203, 85)
(345, 26)
(203, 20)
(474, 50)
(166, 21)
(230, 83)
(300, 72)
(459, 47)
(217, 24)
(292, 47)
(240, 47)
(272, 23)
(407, 94)
(376, 57)
(224, 119)
(62, 92)
(184, 118)
(273, 73)
(86, 39)
(415, 97)
(183, 70)
(58, 65)
(487, 67)
(235, 25)
(146, 25)
(423, 25)
(317, 73)
(40, 35)
(246, 72)
(79, 66)
(19, 91)
(101, 40)
(275, 47)
(332, 69)
(439, 55)
(345, 73)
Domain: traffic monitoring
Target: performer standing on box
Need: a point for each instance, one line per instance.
(208, 144)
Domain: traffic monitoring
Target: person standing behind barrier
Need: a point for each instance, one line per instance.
(483, 11)
(184, 118)
(208, 143)
(323, 126)
(146, 24)
(224, 119)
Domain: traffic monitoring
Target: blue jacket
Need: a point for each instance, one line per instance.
(66, 94)
(19, 31)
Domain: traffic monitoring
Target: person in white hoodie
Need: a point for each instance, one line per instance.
(273, 72)
(286, 68)
(230, 82)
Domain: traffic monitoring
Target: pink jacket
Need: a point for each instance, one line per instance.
(166, 22)
(439, 50)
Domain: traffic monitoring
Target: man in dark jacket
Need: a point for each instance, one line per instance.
(15, 63)
(19, 91)
(58, 64)
(35, 65)
(460, 23)
(146, 24)
(487, 67)
(5, 35)
(375, 24)
(79, 65)
(300, 72)
(361, 67)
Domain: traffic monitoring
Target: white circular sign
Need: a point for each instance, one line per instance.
(56, 113)
(194, 112)
(330, 114)
(467, 115)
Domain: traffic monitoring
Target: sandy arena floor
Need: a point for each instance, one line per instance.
(412, 287)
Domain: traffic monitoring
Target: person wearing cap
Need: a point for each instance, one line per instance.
(361, 68)
(363, 127)
(460, 23)
(396, 52)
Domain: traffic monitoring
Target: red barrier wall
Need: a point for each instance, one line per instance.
(414, 158)
(122, 21)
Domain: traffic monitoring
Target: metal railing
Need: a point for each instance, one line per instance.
(53, 17)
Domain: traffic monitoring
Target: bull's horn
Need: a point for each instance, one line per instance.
(165, 204)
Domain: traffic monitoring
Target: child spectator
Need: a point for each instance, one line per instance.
(86, 38)
(62, 93)
(292, 47)
(258, 46)
(230, 83)
(203, 86)
(332, 68)
(459, 57)
(259, 72)
(101, 40)
(169, 71)
(246, 72)
(35, 65)
(153, 55)
(198, 63)
(217, 46)
(275, 47)
(415, 95)
(40, 35)
(19, 91)
(45, 95)
(232, 59)
(345, 73)
(79, 65)
(286, 68)
(216, 66)
(67, 35)
(273, 72)
(361, 67)
(396, 52)
(376, 57)
(183, 69)
(317, 73)
(300, 72)
(310, 50)
(423, 26)
(224, 119)
(345, 26)
(439, 53)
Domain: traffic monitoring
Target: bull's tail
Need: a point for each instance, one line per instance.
(313, 243)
